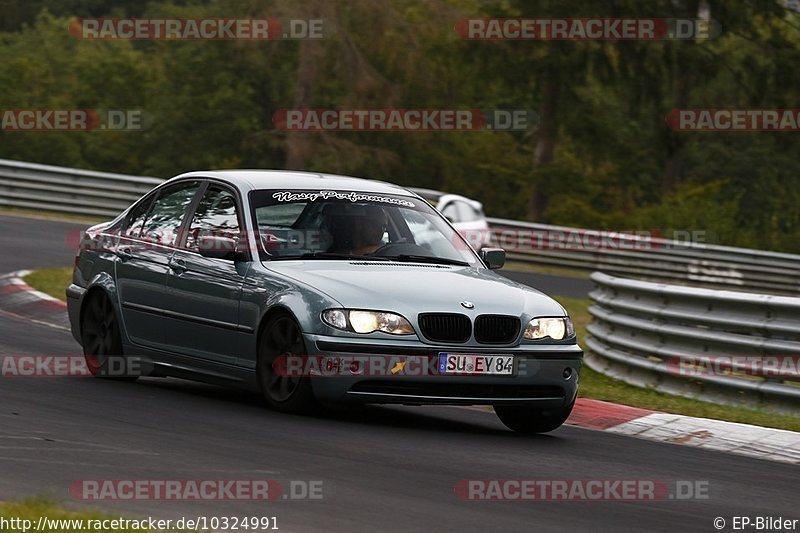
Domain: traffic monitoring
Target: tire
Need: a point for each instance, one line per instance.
(282, 337)
(532, 420)
(101, 338)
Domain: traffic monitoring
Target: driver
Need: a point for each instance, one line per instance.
(356, 229)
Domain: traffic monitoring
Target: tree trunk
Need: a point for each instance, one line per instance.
(545, 142)
(298, 145)
(675, 140)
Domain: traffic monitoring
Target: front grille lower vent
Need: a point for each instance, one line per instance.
(496, 329)
(445, 327)
(443, 389)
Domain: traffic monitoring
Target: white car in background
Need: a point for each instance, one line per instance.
(465, 214)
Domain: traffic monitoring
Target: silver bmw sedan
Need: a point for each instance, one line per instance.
(312, 288)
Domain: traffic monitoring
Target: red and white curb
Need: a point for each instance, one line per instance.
(742, 439)
(20, 300)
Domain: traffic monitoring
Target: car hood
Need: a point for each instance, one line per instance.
(416, 288)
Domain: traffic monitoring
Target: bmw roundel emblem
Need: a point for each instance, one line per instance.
(467, 305)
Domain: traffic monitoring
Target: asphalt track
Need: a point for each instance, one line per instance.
(383, 469)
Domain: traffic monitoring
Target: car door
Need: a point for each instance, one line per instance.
(203, 293)
(143, 254)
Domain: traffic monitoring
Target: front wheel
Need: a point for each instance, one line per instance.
(290, 394)
(102, 342)
(531, 420)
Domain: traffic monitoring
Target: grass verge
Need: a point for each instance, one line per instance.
(52, 281)
(594, 385)
(520, 266)
(26, 514)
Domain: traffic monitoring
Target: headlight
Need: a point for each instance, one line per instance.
(555, 328)
(361, 321)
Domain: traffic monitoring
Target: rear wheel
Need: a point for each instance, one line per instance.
(282, 338)
(102, 342)
(531, 420)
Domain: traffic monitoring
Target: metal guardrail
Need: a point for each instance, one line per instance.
(103, 194)
(68, 190)
(650, 258)
(727, 347)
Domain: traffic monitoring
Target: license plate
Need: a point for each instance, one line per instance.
(476, 364)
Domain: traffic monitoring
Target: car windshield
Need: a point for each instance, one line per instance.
(305, 224)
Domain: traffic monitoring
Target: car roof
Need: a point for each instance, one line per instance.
(428, 194)
(440, 197)
(296, 180)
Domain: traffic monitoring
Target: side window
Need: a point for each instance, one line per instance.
(215, 215)
(450, 213)
(137, 217)
(167, 213)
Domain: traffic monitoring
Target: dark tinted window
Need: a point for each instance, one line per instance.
(137, 217)
(166, 215)
(280, 215)
(216, 214)
(297, 223)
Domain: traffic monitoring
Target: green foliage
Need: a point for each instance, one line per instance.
(615, 163)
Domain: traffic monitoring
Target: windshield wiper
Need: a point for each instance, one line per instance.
(331, 255)
(426, 259)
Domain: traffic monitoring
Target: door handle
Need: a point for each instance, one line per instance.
(177, 265)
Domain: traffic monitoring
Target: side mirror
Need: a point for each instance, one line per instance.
(219, 247)
(494, 258)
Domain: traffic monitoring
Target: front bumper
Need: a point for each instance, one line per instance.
(75, 296)
(541, 377)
